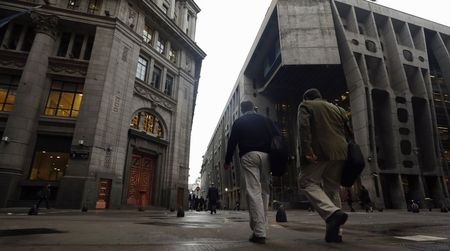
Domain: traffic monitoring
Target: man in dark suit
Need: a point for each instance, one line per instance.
(323, 151)
(213, 197)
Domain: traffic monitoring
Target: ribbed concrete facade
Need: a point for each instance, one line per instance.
(390, 70)
(97, 99)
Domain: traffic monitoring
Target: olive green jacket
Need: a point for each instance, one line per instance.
(322, 130)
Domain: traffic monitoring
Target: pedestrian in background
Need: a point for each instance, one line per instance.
(364, 197)
(323, 145)
(44, 195)
(251, 132)
(213, 197)
(350, 200)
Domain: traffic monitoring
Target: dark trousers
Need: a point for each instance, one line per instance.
(39, 203)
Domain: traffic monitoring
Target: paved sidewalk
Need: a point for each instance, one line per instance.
(227, 230)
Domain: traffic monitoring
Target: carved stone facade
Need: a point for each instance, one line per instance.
(390, 70)
(76, 115)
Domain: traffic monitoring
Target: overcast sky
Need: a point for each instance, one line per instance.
(226, 31)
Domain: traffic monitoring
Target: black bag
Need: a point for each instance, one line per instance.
(278, 156)
(354, 165)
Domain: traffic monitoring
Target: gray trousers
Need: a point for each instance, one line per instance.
(255, 168)
(321, 183)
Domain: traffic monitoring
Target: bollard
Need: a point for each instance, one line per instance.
(281, 214)
(180, 212)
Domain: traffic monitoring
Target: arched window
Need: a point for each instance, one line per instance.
(147, 122)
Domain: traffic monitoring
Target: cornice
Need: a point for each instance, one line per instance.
(67, 67)
(155, 99)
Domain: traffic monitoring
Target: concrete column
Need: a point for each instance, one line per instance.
(16, 153)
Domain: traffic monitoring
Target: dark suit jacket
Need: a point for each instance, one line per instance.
(322, 130)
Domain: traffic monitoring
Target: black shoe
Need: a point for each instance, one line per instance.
(334, 222)
(256, 239)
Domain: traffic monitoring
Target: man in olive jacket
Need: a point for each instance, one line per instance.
(323, 150)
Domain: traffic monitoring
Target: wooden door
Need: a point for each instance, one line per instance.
(103, 194)
(140, 182)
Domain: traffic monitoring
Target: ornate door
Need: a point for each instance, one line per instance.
(140, 183)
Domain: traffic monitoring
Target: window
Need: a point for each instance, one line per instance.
(76, 47)
(8, 87)
(169, 85)
(188, 21)
(14, 37)
(147, 122)
(51, 156)
(64, 99)
(64, 44)
(165, 9)
(147, 34)
(49, 166)
(173, 55)
(161, 45)
(88, 51)
(28, 40)
(93, 6)
(156, 78)
(75, 41)
(141, 69)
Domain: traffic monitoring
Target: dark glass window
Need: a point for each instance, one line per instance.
(402, 115)
(156, 78)
(64, 99)
(76, 47)
(141, 69)
(14, 37)
(169, 85)
(88, 51)
(49, 166)
(28, 39)
(63, 44)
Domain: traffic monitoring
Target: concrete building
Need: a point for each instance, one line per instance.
(390, 70)
(97, 98)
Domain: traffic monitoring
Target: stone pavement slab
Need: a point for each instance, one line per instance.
(227, 230)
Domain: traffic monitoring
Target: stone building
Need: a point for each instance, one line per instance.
(97, 99)
(390, 70)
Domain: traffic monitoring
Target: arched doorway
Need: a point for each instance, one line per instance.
(140, 183)
(147, 145)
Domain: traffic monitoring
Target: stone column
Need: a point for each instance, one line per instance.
(16, 153)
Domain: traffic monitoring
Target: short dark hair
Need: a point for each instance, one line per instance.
(312, 94)
(247, 106)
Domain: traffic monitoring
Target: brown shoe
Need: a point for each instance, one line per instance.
(258, 240)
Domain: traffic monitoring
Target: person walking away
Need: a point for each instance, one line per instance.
(350, 200)
(44, 195)
(213, 197)
(252, 133)
(364, 197)
(323, 150)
